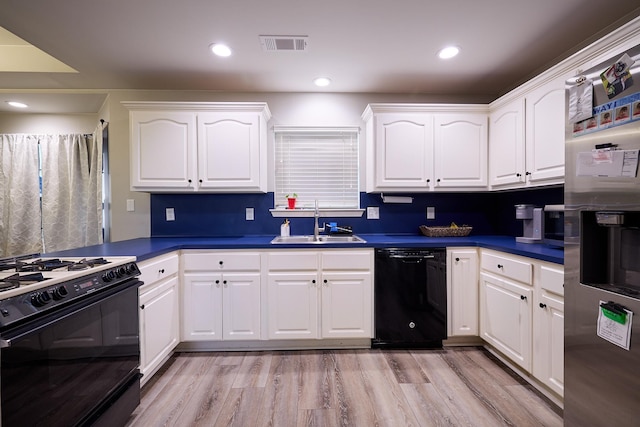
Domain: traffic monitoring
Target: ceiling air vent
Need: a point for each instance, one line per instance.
(284, 43)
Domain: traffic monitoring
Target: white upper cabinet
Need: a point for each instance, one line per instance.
(526, 138)
(461, 150)
(229, 151)
(545, 117)
(424, 147)
(163, 150)
(403, 150)
(506, 145)
(208, 147)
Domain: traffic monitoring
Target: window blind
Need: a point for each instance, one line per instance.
(317, 164)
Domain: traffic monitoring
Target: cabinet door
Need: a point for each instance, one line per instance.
(548, 326)
(229, 151)
(545, 110)
(505, 318)
(159, 321)
(403, 150)
(347, 301)
(241, 306)
(460, 150)
(462, 282)
(506, 145)
(202, 307)
(163, 150)
(548, 341)
(292, 301)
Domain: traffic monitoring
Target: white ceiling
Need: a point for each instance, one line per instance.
(368, 46)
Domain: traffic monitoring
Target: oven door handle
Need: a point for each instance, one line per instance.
(5, 343)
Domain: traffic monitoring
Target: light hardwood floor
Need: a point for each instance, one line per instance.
(452, 387)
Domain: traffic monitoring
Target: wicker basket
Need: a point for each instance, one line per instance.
(461, 231)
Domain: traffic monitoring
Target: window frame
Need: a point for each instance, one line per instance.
(306, 208)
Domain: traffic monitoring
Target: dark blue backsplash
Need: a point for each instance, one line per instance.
(224, 214)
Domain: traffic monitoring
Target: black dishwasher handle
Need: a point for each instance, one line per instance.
(412, 257)
(411, 260)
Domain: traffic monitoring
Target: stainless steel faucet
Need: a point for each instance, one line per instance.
(316, 227)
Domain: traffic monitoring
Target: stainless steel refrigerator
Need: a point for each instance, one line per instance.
(602, 248)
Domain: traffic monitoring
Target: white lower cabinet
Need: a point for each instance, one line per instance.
(522, 314)
(506, 298)
(346, 305)
(159, 312)
(505, 317)
(462, 292)
(221, 296)
(292, 305)
(320, 294)
(548, 326)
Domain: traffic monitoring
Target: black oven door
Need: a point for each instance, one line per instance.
(59, 370)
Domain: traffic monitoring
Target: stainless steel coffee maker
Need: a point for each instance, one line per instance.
(531, 223)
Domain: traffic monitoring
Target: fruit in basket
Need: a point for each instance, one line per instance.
(453, 225)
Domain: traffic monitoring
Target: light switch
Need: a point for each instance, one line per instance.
(170, 214)
(131, 205)
(373, 212)
(431, 212)
(249, 214)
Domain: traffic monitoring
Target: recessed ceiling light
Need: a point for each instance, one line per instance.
(221, 49)
(322, 81)
(448, 52)
(17, 104)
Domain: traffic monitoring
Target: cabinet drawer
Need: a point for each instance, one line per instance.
(552, 279)
(157, 268)
(347, 260)
(221, 261)
(287, 260)
(512, 268)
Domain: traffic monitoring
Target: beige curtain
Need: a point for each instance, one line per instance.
(20, 231)
(71, 190)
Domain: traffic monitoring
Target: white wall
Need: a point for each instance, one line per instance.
(48, 123)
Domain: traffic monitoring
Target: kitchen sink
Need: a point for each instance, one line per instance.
(291, 240)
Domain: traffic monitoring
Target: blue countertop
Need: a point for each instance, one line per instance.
(145, 248)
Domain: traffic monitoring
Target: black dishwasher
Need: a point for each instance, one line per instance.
(410, 298)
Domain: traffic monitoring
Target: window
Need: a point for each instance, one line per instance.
(317, 164)
(50, 192)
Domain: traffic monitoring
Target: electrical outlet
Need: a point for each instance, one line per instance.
(131, 205)
(249, 214)
(431, 212)
(373, 212)
(170, 214)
